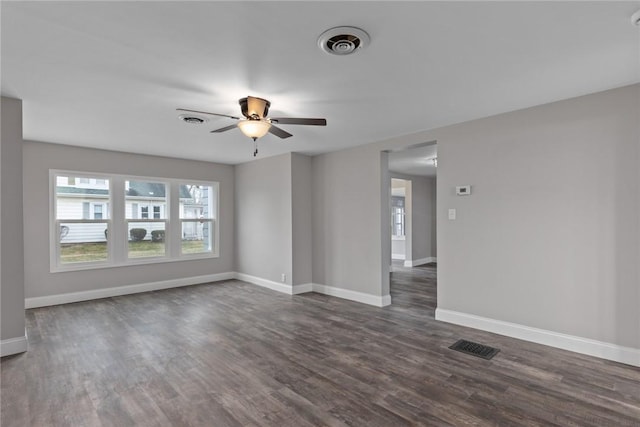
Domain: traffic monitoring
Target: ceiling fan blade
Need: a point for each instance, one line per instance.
(279, 132)
(257, 107)
(224, 129)
(211, 114)
(295, 121)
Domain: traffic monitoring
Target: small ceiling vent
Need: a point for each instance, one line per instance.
(192, 120)
(343, 40)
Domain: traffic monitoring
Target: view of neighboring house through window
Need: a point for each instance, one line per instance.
(81, 220)
(97, 210)
(146, 235)
(86, 232)
(198, 213)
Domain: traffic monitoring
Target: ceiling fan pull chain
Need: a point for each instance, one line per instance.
(255, 148)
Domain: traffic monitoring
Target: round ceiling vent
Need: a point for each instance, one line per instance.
(192, 120)
(343, 40)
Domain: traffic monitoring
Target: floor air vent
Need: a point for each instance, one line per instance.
(475, 349)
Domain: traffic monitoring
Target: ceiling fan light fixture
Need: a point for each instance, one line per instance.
(254, 129)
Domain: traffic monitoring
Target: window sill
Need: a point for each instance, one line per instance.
(131, 263)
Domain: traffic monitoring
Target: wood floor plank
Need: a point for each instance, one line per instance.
(234, 354)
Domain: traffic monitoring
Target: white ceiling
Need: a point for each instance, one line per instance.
(110, 74)
(415, 161)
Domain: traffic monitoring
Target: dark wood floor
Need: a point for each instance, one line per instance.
(234, 354)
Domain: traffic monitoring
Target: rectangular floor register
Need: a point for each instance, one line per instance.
(474, 349)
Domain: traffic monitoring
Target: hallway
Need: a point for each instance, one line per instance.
(414, 288)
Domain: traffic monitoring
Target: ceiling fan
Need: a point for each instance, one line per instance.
(256, 124)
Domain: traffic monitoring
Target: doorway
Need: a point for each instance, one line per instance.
(413, 263)
(400, 229)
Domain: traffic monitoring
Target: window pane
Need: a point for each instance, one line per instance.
(397, 215)
(143, 198)
(146, 239)
(197, 237)
(83, 242)
(74, 199)
(198, 201)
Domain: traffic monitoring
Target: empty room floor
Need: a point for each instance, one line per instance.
(234, 354)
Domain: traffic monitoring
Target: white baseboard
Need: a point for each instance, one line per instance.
(265, 283)
(123, 290)
(315, 287)
(397, 256)
(386, 300)
(14, 345)
(378, 301)
(303, 288)
(44, 301)
(421, 261)
(604, 350)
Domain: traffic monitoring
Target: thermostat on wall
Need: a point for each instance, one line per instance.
(464, 190)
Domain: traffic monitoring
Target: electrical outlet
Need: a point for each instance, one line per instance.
(283, 278)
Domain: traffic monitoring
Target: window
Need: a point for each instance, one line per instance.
(198, 214)
(146, 238)
(397, 216)
(88, 233)
(80, 222)
(97, 211)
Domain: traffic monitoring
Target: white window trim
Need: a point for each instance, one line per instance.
(215, 221)
(92, 209)
(118, 224)
(54, 223)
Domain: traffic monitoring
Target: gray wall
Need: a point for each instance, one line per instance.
(264, 218)
(408, 220)
(40, 157)
(347, 220)
(301, 218)
(423, 211)
(433, 217)
(548, 239)
(11, 222)
(397, 248)
(384, 207)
